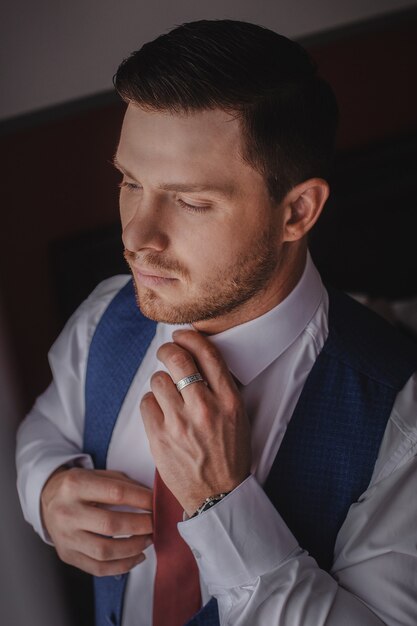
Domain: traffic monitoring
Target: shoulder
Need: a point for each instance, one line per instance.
(78, 331)
(102, 295)
(367, 343)
(91, 310)
(399, 444)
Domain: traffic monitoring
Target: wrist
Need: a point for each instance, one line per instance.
(193, 506)
(49, 490)
(209, 503)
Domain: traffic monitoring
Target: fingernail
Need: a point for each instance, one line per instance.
(176, 333)
(181, 331)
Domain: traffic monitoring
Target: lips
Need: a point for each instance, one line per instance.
(151, 278)
(149, 272)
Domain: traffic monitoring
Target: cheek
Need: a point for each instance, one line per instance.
(126, 208)
(213, 249)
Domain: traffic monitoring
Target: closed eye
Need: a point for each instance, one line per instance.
(131, 186)
(192, 207)
(195, 208)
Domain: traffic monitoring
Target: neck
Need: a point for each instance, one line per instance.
(288, 272)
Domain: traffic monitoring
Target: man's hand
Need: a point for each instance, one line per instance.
(200, 437)
(84, 532)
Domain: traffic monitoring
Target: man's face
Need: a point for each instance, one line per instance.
(201, 234)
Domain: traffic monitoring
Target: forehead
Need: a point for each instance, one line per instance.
(207, 140)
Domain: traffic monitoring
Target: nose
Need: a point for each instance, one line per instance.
(143, 225)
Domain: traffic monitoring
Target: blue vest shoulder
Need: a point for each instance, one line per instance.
(367, 343)
(119, 344)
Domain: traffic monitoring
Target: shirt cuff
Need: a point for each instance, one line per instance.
(240, 538)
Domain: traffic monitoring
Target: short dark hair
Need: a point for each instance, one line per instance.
(288, 114)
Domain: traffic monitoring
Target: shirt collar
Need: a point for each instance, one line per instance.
(249, 348)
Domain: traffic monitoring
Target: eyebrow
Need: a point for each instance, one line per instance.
(225, 190)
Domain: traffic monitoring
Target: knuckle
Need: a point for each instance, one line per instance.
(100, 569)
(143, 525)
(137, 545)
(210, 353)
(147, 523)
(62, 512)
(116, 493)
(70, 481)
(145, 401)
(181, 359)
(203, 411)
(231, 404)
(178, 430)
(146, 541)
(108, 525)
(158, 378)
(102, 551)
(133, 561)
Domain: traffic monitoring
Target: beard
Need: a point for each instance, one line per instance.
(224, 289)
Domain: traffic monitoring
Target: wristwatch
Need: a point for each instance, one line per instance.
(209, 502)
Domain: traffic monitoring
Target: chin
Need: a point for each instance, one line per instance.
(197, 310)
(155, 308)
(158, 309)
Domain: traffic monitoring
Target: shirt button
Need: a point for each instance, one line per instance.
(118, 577)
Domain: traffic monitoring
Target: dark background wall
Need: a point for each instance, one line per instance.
(366, 240)
(59, 233)
(54, 52)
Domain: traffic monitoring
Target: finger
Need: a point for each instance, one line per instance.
(117, 474)
(180, 363)
(210, 362)
(115, 523)
(88, 485)
(152, 415)
(111, 549)
(102, 568)
(166, 394)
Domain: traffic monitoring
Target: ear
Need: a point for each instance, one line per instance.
(302, 206)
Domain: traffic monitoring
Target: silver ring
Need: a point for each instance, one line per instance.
(189, 380)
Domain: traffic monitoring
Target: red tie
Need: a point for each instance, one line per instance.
(177, 594)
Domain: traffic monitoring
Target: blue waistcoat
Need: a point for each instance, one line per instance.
(328, 453)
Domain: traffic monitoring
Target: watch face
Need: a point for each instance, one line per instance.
(211, 501)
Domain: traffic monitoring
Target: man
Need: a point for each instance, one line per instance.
(280, 419)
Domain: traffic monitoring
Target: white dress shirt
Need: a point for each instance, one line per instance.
(247, 556)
